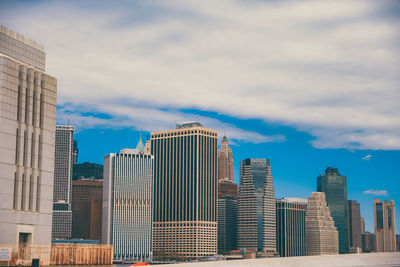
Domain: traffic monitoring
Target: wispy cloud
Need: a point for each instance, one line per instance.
(301, 64)
(367, 157)
(376, 192)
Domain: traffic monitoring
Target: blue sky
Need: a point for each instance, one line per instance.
(307, 84)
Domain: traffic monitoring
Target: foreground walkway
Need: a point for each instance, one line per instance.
(388, 259)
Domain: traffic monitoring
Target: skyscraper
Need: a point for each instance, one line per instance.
(362, 225)
(87, 199)
(354, 224)
(128, 204)
(227, 188)
(291, 226)
(257, 207)
(334, 185)
(87, 170)
(75, 153)
(321, 233)
(225, 161)
(27, 126)
(368, 242)
(385, 226)
(227, 224)
(185, 191)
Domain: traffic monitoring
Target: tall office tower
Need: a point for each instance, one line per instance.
(27, 123)
(354, 224)
(385, 232)
(185, 192)
(62, 193)
(87, 170)
(334, 185)
(362, 225)
(225, 161)
(128, 204)
(321, 233)
(368, 242)
(227, 224)
(75, 152)
(291, 226)
(87, 199)
(227, 188)
(256, 207)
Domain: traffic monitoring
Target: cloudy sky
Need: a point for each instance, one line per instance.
(307, 84)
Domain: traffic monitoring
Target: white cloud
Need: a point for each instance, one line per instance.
(329, 68)
(367, 157)
(376, 192)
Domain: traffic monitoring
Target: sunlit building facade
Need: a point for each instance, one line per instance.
(225, 161)
(385, 226)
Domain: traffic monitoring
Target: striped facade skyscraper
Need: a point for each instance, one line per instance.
(355, 224)
(27, 128)
(185, 192)
(62, 193)
(321, 233)
(257, 207)
(291, 226)
(225, 161)
(128, 204)
(334, 185)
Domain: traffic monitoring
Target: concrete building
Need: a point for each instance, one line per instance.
(368, 242)
(385, 226)
(62, 193)
(227, 188)
(128, 204)
(225, 161)
(257, 207)
(334, 185)
(291, 226)
(321, 233)
(185, 188)
(362, 225)
(87, 199)
(27, 132)
(355, 224)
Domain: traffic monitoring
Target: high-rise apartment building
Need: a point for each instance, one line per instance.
(321, 233)
(257, 207)
(334, 185)
(185, 192)
(291, 226)
(354, 224)
(27, 124)
(225, 161)
(62, 193)
(128, 204)
(87, 199)
(385, 226)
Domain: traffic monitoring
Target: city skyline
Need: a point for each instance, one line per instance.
(333, 111)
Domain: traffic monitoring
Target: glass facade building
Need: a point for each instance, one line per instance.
(334, 185)
(256, 207)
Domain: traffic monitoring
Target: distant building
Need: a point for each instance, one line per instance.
(362, 225)
(27, 125)
(87, 170)
(368, 242)
(385, 231)
(227, 224)
(227, 189)
(62, 194)
(225, 161)
(398, 242)
(355, 224)
(321, 233)
(185, 192)
(75, 152)
(291, 226)
(256, 207)
(334, 185)
(87, 199)
(128, 204)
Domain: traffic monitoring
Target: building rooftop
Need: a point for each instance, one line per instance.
(21, 38)
(187, 124)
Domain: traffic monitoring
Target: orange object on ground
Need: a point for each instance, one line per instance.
(140, 264)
